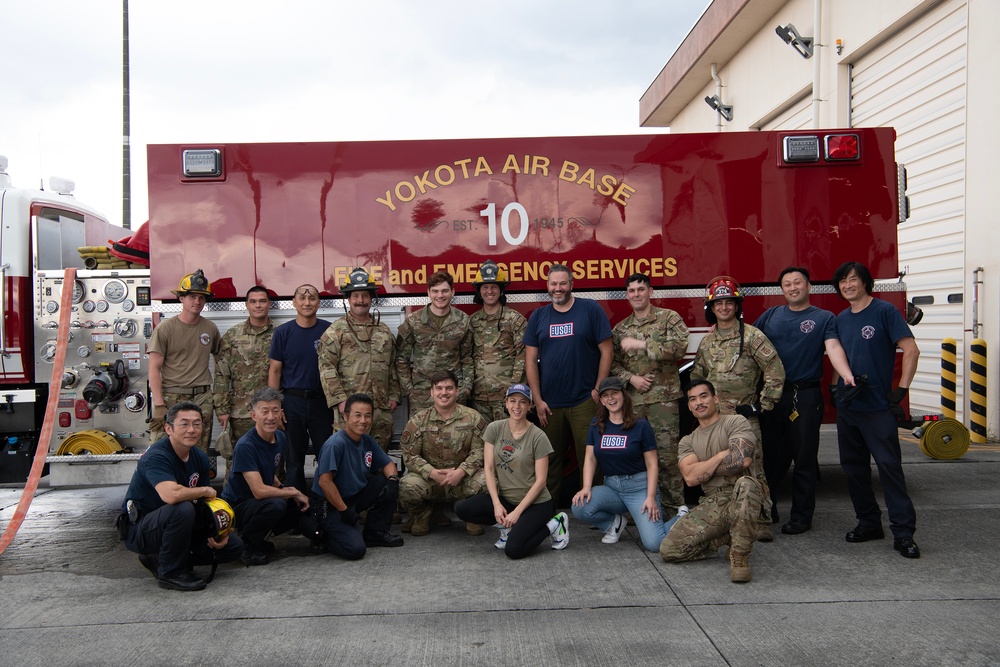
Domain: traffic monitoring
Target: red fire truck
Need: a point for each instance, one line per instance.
(680, 208)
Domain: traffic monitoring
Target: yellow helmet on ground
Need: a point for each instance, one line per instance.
(219, 518)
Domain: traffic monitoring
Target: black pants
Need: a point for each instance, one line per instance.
(524, 537)
(345, 539)
(863, 436)
(787, 440)
(255, 518)
(167, 533)
(306, 419)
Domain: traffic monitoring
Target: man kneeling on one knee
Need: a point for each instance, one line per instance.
(348, 483)
(261, 503)
(722, 456)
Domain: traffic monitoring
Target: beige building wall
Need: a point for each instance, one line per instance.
(770, 86)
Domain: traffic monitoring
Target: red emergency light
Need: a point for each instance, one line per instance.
(842, 147)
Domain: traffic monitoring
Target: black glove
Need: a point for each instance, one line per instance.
(833, 396)
(349, 516)
(392, 488)
(895, 396)
(748, 411)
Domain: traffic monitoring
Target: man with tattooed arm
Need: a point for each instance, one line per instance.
(718, 455)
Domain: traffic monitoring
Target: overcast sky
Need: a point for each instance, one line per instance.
(324, 70)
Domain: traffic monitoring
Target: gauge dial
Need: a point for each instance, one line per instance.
(115, 291)
(128, 305)
(88, 306)
(79, 292)
(51, 307)
(102, 306)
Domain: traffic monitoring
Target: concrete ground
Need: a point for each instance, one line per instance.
(71, 595)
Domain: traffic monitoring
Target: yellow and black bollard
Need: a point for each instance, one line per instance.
(949, 350)
(977, 390)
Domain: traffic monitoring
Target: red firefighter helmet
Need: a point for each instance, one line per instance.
(722, 287)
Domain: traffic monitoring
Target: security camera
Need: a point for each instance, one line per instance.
(725, 110)
(789, 35)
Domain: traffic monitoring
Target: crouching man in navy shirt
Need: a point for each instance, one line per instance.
(347, 483)
(162, 524)
(261, 503)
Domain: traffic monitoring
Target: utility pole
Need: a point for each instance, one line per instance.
(126, 131)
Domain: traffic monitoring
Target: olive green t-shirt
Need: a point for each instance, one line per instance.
(515, 459)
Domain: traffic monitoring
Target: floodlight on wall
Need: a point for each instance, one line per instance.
(725, 110)
(791, 36)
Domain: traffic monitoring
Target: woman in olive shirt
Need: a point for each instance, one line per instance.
(516, 460)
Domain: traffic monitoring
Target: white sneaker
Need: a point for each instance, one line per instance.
(502, 542)
(615, 530)
(560, 536)
(682, 510)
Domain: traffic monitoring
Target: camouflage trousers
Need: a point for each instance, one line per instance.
(665, 420)
(725, 517)
(381, 429)
(490, 410)
(241, 426)
(417, 495)
(202, 400)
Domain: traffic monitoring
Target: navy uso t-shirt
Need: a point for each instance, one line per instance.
(568, 357)
(620, 451)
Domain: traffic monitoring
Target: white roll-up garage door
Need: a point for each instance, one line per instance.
(916, 82)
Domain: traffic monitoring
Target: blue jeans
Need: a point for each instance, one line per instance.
(618, 495)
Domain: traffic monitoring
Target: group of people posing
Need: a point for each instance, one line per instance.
(494, 401)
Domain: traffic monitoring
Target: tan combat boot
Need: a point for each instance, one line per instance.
(739, 567)
(439, 518)
(474, 528)
(421, 522)
(764, 533)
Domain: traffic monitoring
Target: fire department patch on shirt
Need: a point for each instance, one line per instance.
(614, 441)
(204, 339)
(807, 326)
(193, 480)
(867, 332)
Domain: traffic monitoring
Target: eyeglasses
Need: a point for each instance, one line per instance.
(185, 425)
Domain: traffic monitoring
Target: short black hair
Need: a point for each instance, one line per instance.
(638, 278)
(697, 382)
(793, 269)
(257, 288)
(183, 406)
(357, 398)
(863, 273)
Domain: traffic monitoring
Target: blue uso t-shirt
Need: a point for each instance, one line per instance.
(800, 338)
(253, 454)
(568, 356)
(620, 451)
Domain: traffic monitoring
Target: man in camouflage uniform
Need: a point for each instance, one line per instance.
(179, 355)
(357, 355)
(648, 344)
(735, 357)
(241, 365)
(497, 343)
(432, 339)
(443, 451)
(720, 456)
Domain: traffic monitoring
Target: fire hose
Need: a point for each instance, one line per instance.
(38, 464)
(945, 439)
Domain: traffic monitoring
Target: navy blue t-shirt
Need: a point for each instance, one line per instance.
(297, 350)
(869, 339)
(568, 356)
(253, 454)
(350, 461)
(620, 451)
(799, 338)
(160, 463)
